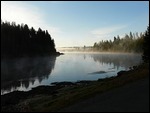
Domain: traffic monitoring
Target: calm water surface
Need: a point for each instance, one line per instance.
(25, 73)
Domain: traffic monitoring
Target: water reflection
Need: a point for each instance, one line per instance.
(117, 59)
(21, 72)
(25, 73)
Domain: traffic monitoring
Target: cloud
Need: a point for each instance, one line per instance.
(21, 12)
(107, 31)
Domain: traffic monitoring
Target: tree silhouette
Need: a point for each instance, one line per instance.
(146, 46)
(19, 40)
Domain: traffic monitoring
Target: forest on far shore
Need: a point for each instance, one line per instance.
(132, 42)
(129, 43)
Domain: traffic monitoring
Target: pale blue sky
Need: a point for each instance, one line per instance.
(79, 23)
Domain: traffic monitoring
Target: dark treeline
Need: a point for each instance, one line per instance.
(20, 40)
(145, 55)
(129, 43)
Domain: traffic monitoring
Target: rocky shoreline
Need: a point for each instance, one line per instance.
(12, 100)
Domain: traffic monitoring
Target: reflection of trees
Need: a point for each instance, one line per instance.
(124, 60)
(84, 56)
(23, 71)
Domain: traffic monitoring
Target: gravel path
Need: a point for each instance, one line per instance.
(133, 97)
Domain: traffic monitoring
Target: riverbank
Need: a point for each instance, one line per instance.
(60, 95)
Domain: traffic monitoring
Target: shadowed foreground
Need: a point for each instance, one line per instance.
(133, 97)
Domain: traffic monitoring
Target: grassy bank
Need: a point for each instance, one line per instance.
(73, 93)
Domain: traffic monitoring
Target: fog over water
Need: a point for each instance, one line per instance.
(25, 73)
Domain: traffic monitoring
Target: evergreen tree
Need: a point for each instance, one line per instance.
(129, 43)
(131, 36)
(146, 46)
(19, 40)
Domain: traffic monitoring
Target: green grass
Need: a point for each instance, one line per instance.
(70, 95)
